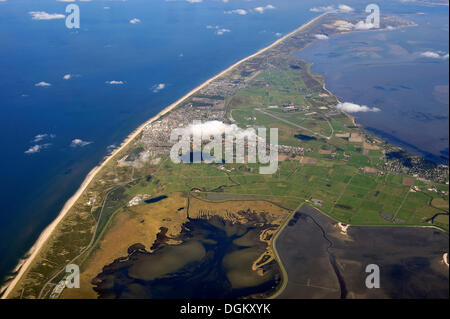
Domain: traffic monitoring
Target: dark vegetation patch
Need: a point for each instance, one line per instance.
(305, 137)
(161, 238)
(346, 207)
(134, 154)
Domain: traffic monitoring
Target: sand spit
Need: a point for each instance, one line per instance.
(44, 236)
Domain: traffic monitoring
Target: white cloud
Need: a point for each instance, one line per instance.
(158, 87)
(67, 76)
(33, 149)
(345, 8)
(113, 82)
(210, 128)
(42, 15)
(241, 12)
(362, 25)
(41, 137)
(135, 21)
(262, 9)
(342, 8)
(194, 1)
(321, 36)
(43, 84)
(79, 143)
(37, 148)
(219, 30)
(323, 9)
(430, 54)
(355, 108)
(434, 55)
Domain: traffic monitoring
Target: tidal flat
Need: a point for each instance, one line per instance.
(323, 259)
(214, 261)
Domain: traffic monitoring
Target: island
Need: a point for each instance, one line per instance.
(141, 226)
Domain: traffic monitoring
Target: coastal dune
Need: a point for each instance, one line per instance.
(45, 235)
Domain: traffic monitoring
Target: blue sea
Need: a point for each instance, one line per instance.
(67, 96)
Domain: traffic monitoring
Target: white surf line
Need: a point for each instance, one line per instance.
(44, 236)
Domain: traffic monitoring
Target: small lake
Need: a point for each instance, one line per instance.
(155, 199)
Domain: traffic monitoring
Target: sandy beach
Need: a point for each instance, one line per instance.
(44, 236)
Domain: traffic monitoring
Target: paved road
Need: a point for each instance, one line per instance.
(293, 124)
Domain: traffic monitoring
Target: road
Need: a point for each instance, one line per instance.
(293, 124)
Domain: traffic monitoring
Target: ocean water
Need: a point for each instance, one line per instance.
(388, 70)
(171, 45)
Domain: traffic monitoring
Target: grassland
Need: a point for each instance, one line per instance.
(348, 176)
(335, 182)
(341, 173)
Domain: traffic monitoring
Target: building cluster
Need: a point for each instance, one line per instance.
(290, 108)
(223, 87)
(418, 167)
(138, 199)
(156, 136)
(293, 150)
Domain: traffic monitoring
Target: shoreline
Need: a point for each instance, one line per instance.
(343, 230)
(392, 140)
(47, 232)
(284, 274)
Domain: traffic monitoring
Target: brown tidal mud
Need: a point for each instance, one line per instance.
(323, 262)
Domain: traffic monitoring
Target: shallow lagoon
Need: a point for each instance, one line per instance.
(214, 261)
(386, 69)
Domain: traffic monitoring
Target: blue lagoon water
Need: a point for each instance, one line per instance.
(171, 45)
(387, 70)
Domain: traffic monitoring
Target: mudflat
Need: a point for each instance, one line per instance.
(323, 261)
